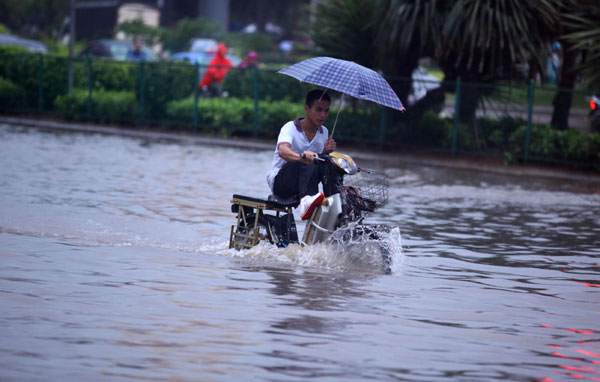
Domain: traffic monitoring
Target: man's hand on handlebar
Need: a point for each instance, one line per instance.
(309, 157)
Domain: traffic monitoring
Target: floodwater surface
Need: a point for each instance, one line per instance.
(114, 266)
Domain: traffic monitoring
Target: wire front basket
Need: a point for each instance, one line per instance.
(367, 190)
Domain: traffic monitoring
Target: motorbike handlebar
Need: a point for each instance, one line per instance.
(319, 157)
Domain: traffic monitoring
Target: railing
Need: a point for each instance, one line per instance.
(258, 102)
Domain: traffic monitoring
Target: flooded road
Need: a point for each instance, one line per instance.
(114, 266)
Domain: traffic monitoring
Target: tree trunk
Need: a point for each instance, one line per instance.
(433, 100)
(469, 100)
(566, 83)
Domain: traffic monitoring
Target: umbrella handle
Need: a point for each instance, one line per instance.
(337, 115)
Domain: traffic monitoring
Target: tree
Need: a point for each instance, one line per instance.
(179, 38)
(480, 41)
(580, 39)
(345, 29)
(34, 16)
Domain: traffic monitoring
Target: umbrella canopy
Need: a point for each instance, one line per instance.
(346, 77)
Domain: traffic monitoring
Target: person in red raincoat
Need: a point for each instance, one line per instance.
(219, 65)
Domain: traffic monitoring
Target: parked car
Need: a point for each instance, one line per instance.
(203, 45)
(115, 49)
(30, 45)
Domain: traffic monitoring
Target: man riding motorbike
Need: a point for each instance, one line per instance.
(293, 171)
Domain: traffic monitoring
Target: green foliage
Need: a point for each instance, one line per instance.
(4, 29)
(12, 97)
(137, 29)
(162, 83)
(361, 125)
(25, 70)
(178, 39)
(107, 75)
(497, 131)
(106, 106)
(272, 86)
(234, 115)
(46, 16)
(275, 114)
(242, 43)
(431, 131)
(346, 29)
(549, 143)
(584, 33)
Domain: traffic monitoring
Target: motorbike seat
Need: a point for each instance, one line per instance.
(272, 202)
(292, 201)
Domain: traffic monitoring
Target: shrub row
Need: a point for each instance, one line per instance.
(153, 84)
(233, 115)
(121, 90)
(104, 106)
(506, 135)
(557, 145)
(12, 96)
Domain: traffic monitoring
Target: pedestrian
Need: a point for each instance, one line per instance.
(136, 54)
(219, 65)
(250, 61)
(293, 171)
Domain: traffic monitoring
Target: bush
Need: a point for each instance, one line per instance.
(431, 130)
(229, 115)
(163, 82)
(12, 97)
(497, 132)
(550, 144)
(106, 106)
(23, 69)
(272, 86)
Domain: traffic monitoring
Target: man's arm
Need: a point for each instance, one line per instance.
(286, 153)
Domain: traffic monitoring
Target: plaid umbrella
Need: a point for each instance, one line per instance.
(346, 77)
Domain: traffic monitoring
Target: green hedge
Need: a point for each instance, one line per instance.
(237, 115)
(233, 115)
(556, 145)
(12, 97)
(23, 69)
(239, 83)
(106, 106)
(163, 81)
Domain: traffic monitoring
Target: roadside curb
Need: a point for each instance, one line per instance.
(253, 144)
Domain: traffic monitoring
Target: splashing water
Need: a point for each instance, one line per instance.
(353, 248)
(375, 247)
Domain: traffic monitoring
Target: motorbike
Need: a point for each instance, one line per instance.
(350, 194)
(594, 114)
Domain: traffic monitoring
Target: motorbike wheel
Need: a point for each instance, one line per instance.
(371, 233)
(263, 232)
(386, 253)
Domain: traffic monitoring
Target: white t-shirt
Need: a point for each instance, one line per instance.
(293, 134)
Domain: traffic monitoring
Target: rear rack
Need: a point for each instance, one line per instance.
(245, 233)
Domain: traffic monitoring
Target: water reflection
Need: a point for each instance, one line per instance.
(115, 266)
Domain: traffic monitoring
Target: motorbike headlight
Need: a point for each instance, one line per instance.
(344, 162)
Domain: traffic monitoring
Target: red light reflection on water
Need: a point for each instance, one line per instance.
(583, 362)
(589, 285)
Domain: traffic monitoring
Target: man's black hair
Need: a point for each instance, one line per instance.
(315, 95)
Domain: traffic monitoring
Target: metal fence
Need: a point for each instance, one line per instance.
(257, 102)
